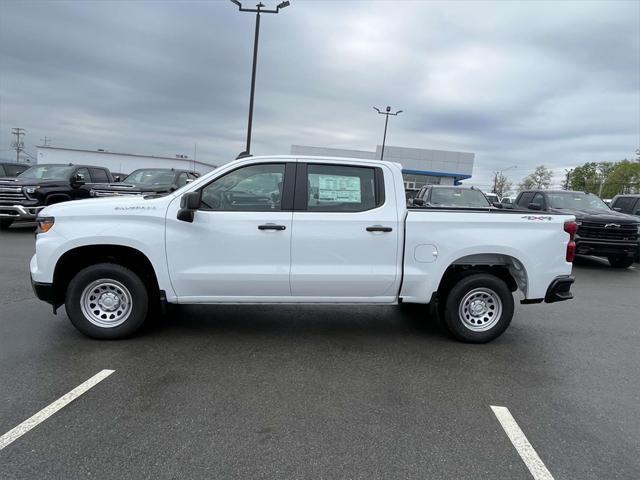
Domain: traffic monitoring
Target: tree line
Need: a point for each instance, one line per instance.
(605, 179)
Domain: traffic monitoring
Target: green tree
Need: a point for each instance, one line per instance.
(623, 178)
(590, 177)
(539, 179)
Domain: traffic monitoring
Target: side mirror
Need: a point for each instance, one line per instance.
(418, 201)
(78, 179)
(116, 178)
(498, 205)
(189, 180)
(189, 203)
(535, 206)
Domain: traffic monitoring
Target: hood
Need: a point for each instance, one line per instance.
(109, 206)
(597, 215)
(132, 187)
(22, 182)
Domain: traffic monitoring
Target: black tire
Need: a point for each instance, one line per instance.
(117, 274)
(493, 288)
(5, 223)
(620, 262)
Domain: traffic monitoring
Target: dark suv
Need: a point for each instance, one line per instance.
(601, 231)
(8, 169)
(146, 181)
(22, 197)
(446, 196)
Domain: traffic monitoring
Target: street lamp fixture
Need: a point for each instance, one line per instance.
(387, 112)
(258, 10)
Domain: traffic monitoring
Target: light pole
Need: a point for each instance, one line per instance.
(387, 112)
(258, 10)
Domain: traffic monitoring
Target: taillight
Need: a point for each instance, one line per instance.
(571, 228)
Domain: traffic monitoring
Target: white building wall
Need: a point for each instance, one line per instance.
(117, 162)
(442, 166)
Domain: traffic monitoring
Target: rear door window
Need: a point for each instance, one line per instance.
(98, 175)
(341, 188)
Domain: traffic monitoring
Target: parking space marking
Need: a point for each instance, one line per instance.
(521, 444)
(16, 432)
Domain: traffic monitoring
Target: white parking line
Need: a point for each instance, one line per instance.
(49, 410)
(522, 445)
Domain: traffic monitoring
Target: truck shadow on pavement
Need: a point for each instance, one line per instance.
(299, 320)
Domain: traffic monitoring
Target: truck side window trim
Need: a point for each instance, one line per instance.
(286, 201)
(302, 187)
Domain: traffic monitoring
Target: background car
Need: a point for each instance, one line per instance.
(22, 197)
(602, 232)
(450, 196)
(146, 181)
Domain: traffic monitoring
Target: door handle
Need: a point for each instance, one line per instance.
(271, 226)
(378, 228)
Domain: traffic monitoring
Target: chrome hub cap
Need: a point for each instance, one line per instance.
(480, 309)
(106, 303)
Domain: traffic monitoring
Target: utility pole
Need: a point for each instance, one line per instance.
(258, 10)
(18, 144)
(387, 112)
(45, 141)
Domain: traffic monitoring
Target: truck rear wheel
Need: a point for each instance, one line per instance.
(620, 262)
(478, 308)
(107, 301)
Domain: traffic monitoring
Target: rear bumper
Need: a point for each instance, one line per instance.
(605, 249)
(559, 290)
(19, 212)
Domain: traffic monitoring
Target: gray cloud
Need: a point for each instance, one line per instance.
(519, 83)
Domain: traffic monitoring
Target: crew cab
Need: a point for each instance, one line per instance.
(146, 181)
(299, 230)
(22, 197)
(602, 232)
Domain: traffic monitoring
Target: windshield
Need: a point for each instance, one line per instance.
(48, 172)
(151, 177)
(458, 197)
(576, 201)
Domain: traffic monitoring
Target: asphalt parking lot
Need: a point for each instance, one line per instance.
(323, 392)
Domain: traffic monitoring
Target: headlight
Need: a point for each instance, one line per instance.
(30, 190)
(44, 224)
(92, 193)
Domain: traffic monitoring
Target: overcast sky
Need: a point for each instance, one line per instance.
(517, 83)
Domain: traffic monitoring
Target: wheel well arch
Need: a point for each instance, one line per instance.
(54, 198)
(74, 260)
(506, 267)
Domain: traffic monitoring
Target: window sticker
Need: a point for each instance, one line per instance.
(339, 188)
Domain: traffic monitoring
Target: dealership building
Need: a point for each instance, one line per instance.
(420, 166)
(123, 163)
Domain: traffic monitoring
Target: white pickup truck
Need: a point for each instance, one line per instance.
(296, 230)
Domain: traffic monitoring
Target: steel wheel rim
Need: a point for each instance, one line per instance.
(480, 309)
(106, 303)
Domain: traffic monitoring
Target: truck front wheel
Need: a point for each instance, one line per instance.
(479, 308)
(5, 223)
(620, 262)
(107, 301)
